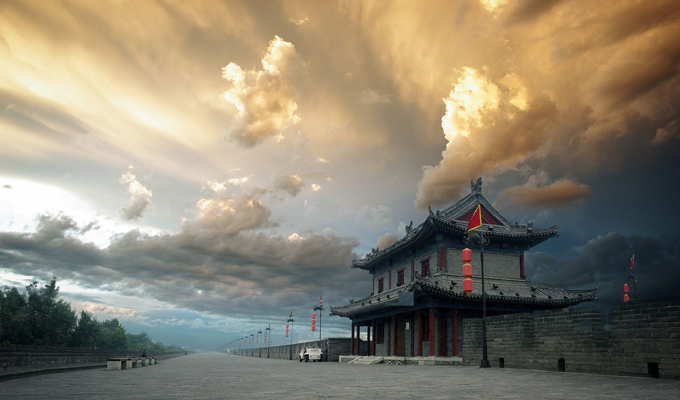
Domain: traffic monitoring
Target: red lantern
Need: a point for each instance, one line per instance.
(625, 298)
(313, 328)
(467, 270)
(467, 286)
(265, 336)
(625, 288)
(467, 255)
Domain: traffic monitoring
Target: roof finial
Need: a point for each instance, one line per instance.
(476, 188)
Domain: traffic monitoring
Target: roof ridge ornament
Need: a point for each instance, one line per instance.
(476, 188)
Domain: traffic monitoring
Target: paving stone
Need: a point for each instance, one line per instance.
(218, 376)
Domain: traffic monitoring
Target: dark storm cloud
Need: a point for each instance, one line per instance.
(604, 261)
(218, 263)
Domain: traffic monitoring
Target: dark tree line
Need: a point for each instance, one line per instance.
(37, 316)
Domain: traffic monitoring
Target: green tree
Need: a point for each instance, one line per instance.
(113, 336)
(13, 327)
(51, 321)
(86, 333)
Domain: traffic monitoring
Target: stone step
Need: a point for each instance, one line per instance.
(367, 360)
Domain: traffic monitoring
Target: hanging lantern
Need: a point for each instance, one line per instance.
(467, 286)
(467, 270)
(265, 336)
(286, 330)
(467, 255)
(313, 328)
(257, 339)
(625, 293)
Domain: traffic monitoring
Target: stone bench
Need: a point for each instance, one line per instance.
(129, 363)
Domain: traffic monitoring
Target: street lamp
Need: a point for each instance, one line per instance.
(259, 333)
(251, 345)
(479, 239)
(291, 321)
(270, 338)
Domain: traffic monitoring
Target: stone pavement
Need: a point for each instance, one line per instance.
(218, 376)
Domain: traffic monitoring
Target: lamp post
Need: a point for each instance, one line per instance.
(252, 352)
(478, 238)
(291, 321)
(259, 333)
(320, 309)
(270, 338)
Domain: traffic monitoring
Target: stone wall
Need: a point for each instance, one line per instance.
(640, 339)
(23, 356)
(332, 348)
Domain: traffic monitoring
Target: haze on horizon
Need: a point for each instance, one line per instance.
(200, 170)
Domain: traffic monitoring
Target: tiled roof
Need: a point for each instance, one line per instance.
(440, 285)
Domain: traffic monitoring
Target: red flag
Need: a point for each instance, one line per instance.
(291, 315)
(476, 220)
(632, 262)
(321, 300)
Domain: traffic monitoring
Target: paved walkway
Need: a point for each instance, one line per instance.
(218, 376)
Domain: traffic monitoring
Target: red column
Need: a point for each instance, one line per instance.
(374, 334)
(358, 339)
(420, 333)
(521, 266)
(432, 331)
(413, 270)
(441, 258)
(368, 341)
(351, 344)
(413, 342)
(394, 335)
(442, 336)
(454, 333)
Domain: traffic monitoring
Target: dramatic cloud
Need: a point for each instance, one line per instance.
(140, 196)
(589, 83)
(560, 194)
(603, 263)
(265, 99)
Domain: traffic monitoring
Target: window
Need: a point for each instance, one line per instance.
(379, 333)
(425, 268)
(381, 285)
(400, 277)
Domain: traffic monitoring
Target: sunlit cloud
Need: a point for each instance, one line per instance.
(140, 198)
(314, 187)
(298, 21)
(265, 99)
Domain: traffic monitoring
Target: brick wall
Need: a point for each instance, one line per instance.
(23, 356)
(638, 340)
(332, 348)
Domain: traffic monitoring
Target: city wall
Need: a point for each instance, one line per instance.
(332, 349)
(640, 339)
(24, 356)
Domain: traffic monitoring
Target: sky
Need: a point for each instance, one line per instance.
(201, 169)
